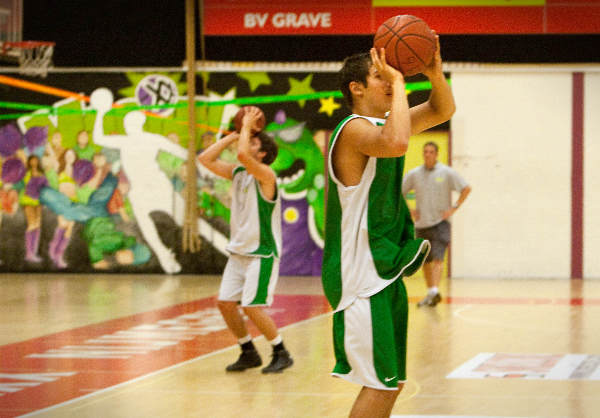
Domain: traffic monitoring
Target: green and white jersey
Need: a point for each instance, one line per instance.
(255, 221)
(369, 234)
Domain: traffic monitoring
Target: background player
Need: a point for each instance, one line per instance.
(252, 270)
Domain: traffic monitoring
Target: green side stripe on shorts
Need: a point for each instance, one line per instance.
(386, 359)
(342, 366)
(264, 277)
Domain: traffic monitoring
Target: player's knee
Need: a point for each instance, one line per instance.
(226, 305)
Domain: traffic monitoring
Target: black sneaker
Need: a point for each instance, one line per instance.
(437, 298)
(281, 360)
(247, 360)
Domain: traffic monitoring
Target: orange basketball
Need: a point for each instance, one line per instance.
(408, 42)
(237, 120)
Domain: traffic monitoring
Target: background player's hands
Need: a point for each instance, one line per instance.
(251, 117)
(231, 137)
(435, 67)
(386, 71)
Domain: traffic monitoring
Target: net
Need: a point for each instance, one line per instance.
(34, 57)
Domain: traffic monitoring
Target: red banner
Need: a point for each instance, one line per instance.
(360, 17)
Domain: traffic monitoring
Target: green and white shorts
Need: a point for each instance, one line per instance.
(249, 280)
(369, 339)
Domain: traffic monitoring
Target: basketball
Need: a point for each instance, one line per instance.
(408, 42)
(237, 119)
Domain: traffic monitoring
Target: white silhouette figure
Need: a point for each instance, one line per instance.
(150, 188)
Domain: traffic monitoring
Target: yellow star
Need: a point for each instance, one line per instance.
(329, 106)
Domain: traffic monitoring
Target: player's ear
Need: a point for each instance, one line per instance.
(356, 88)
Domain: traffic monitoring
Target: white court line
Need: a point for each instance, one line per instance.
(156, 372)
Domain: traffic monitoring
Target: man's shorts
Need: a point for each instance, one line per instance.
(249, 280)
(369, 339)
(439, 237)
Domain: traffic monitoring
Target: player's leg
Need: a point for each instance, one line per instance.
(439, 236)
(370, 349)
(230, 294)
(259, 289)
(374, 403)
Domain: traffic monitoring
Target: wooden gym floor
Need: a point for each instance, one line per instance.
(155, 346)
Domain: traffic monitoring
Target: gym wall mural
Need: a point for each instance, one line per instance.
(93, 167)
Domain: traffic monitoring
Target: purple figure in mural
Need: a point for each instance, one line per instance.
(29, 199)
(301, 255)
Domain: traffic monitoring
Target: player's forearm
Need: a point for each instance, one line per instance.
(244, 142)
(212, 153)
(441, 99)
(397, 127)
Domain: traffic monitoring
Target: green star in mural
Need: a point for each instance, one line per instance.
(300, 87)
(255, 80)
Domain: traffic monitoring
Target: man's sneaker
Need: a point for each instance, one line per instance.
(281, 360)
(430, 300)
(247, 360)
(437, 298)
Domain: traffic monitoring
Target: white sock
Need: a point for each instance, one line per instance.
(245, 339)
(433, 290)
(276, 340)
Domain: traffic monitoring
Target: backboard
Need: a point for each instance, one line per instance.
(11, 28)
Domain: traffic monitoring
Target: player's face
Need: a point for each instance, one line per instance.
(378, 90)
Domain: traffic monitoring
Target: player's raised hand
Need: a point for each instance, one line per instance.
(387, 72)
(435, 66)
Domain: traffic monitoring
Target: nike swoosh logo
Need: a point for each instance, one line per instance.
(389, 379)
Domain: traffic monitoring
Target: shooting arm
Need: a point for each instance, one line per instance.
(440, 107)
(209, 158)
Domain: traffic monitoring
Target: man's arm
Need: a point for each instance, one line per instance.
(461, 198)
(210, 157)
(440, 106)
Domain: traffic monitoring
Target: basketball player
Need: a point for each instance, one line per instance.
(433, 183)
(252, 270)
(369, 235)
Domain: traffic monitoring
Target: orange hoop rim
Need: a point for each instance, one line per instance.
(25, 45)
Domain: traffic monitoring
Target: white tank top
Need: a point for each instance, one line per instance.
(255, 221)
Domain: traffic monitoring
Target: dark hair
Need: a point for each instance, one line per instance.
(432, 144)
(267, 145)
(355, 68)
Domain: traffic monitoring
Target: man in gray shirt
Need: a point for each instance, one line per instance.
(433, 183)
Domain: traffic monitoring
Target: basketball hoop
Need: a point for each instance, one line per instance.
(34, 57)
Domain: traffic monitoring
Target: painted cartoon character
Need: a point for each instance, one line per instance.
(299, 166)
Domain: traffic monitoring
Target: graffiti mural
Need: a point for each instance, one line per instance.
(93, 168)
